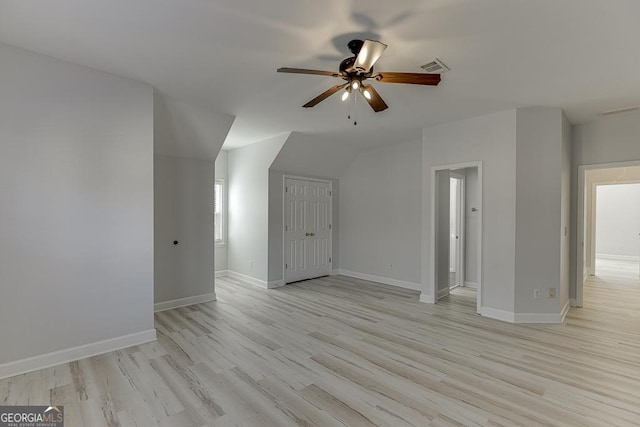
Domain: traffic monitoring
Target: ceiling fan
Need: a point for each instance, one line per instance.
(356, 69)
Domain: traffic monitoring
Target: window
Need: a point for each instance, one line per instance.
(218, 212)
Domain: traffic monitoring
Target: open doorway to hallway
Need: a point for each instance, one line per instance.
(617, 230)
(609, 262)
(457, 233)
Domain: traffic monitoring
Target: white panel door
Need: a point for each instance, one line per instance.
(307, 234)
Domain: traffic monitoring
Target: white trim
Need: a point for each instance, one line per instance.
(574, 303)
(76, 353)
(426, 298)
(471, 285)
(632, 258)
(335, 272)
(543, 317)
(507, 316)
(580, 237)
(275, 284)
(379, 279)
(248, 279)
(222, 273)
(494, 313)
(183, 302)
(286, 176)
(253, 281)
(432, 280)
(443, 292)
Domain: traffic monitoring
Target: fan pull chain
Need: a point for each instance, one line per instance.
(355, 109)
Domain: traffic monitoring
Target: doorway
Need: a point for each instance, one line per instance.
(608, 237)
(307, 228)
(456, 232)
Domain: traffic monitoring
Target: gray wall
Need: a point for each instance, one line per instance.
(305, 156)
(248, 187)
(618, 221)
(276, 221)
(443, 215)
(221, 173)
(539, 220)
(183, 212)
(565, 213)
(606, 140)
(490, 139)
(76, 228)
(380, 208)
(472, 226)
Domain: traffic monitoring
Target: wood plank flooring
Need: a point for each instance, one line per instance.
(339, 351)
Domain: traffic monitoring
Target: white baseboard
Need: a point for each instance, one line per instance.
(221, 273)
(183, 302)
(426, 298)
(542, 317)
(494, 313)
(633, 258)
(471, 285)
(507, 316)
(252, 280)
(275, 284)
(379, 279)
(443, 292)
(71, 354)
(574, 303)
(335, 272)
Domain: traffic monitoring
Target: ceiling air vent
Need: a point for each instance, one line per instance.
(435, 67)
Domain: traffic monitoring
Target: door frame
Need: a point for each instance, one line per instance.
(580, 235)
(433, 279)
(284, 219)
(460, 226)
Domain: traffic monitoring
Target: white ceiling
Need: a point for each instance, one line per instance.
(581, 55)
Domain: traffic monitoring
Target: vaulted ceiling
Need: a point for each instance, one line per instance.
(581, 55)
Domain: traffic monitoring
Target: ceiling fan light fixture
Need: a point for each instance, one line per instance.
(345, 95)
(355, 84)
(369, 53)
(366, 93)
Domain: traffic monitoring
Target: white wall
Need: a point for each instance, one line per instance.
(618, 221)
(248, 185)
(380, 208)
(443, 215)
(276, 220)
(221, 173)
(183, 212)
(539, 220)
(305, 156)
(472, 226)
(565, 213)
(76, 209)
(606, 140)
(490, 139)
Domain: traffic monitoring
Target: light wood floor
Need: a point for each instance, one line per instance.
(339, 351)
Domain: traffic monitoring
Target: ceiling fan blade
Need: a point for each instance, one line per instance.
(324, 95)
(408, 78)
(305, 71)
(370, 52)
(376, 102)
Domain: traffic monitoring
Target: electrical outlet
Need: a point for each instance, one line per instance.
(536, 293)
(551, 293)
